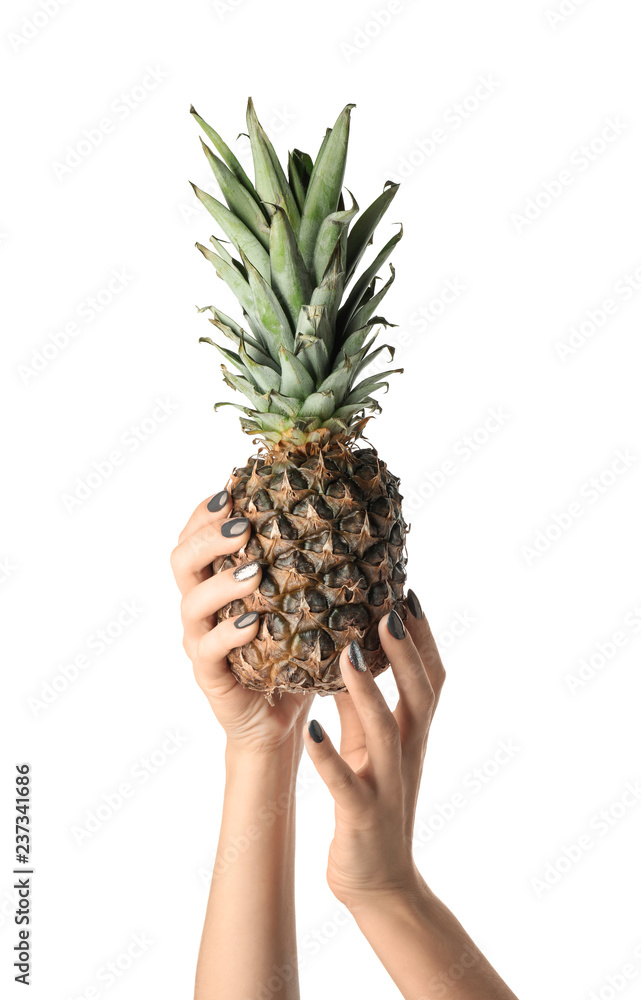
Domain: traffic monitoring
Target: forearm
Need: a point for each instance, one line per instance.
(425, 949)
(249, 937)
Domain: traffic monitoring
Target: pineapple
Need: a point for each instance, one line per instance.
(326, 516)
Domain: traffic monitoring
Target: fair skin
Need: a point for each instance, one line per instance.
(374, 781)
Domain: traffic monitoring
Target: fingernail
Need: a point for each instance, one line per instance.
(315, 731)
(414, 604)
(218, 501)
(356, 657)
(246, 572)
(236, 526)
(395, 625)
(247, 619)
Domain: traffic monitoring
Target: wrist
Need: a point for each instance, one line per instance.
(392, 901)
(263, 758)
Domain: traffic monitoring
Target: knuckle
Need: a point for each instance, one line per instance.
(438, 679)
(203, 653)
(175, 559)
(390, 734)
(204, 542)
(187, 606)
(343, 781)
(429, 696)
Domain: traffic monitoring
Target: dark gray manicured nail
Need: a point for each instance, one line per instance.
(395, 625)
(246, 571)
(414, 604)
(315, 731)
(247, 619)
(356, 657)
(218, 501)
(236, 526)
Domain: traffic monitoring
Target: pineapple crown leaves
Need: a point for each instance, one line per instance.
(290, 253)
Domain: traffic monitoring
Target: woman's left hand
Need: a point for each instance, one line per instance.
(375, 779)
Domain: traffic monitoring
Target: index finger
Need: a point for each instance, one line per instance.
(420, 631)
(382, 735)
(207, 511)
(192, 558)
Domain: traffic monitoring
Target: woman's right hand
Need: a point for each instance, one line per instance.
(251, 723)
(375, 779)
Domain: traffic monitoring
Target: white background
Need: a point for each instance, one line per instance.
(525, 618)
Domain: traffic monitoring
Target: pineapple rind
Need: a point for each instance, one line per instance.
(328, 530)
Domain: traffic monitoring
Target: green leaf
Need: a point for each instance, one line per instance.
(227, 322)
(252, 427)
(271, 421)
(325, 184)
(347, 412)
(248, 389)
(333, 228)
(305, 165)
(289, 276)
(363, 228)
(339, 380)
(221, 250)
(313, 322)
(226, 154)
(271, 182)
(336, 426)
(354, 343)
(286, 405)
(232, 278)
(330, 290)
(238, 233)
(295, 379)
(296, 182)
(359, 398)
(369, 385)
(360, 287)
(367, 358)
(273, 436)
(321, 149)
(269, 312)
(237, 406)
(363, 314)
(319, 404)
(253, 348)
(312, 351)
(235, 359)
(238, 198)
(264, 377)
(260, 333)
